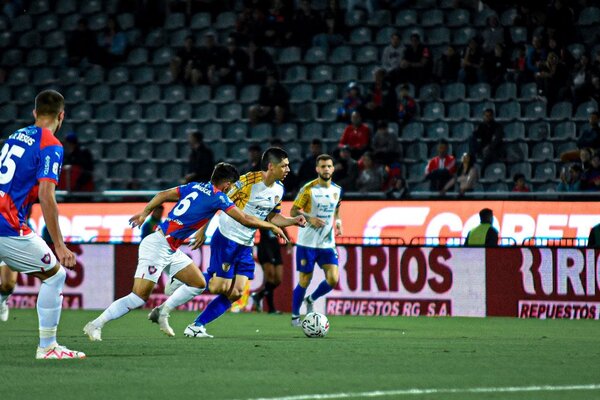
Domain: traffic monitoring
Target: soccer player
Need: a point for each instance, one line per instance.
(30, 163)
(269, 257)
(319, 202)
(231, 262)
(196, 205)
(8, 281)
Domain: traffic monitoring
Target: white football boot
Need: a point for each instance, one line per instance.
(194, 331)
(57, 352)
(93, 332)
(309, 304)
(162, 319)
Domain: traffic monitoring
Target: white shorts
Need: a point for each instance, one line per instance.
(27, 253)
(155, 256)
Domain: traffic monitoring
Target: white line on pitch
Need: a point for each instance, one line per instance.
(415, 391)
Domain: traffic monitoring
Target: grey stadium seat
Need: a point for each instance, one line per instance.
(564, 131)
(116, 151)
(99, 94)
(301, 93)
(118, 75)
(161, 132)
(131, 113)
(106, 113)
(437, 131)
(406, 18)
(509, 111)
(205, 112)
(433, 111)
(521, 168)
(315, 55)
(506, 91)
(149, 94)
(545, 172)
(438, 36)
(75, 94)
(295, 73)
(516, 152)
(225, 94)
(432, 17)
(457, 18)
(321, 73)
(412, 131)
(290, 55)
(543, 151)
(140, 151)
(538, 131)
(249, 94)
(135, 132)
(561, 111)
(164, 151)
(495, 172)
(462, 131)
(236, 131)
(125, 94)
(262, 132)
(179, 112)
(326, 93)
(535, 110)
(459, 111)
(454, 92)
(287, 132)
(346, 73)
(312, 130)
(480, 91)
(514, 131)
(416, 151)
(341, 55)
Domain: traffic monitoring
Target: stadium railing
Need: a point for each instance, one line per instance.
(555, 242)
(453, 241)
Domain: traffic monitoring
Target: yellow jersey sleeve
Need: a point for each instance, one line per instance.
(240, 193)
(303, 198)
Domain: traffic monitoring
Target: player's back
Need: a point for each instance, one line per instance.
(29, 155)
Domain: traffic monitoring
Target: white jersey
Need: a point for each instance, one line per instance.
(321, 202)
(254, 198)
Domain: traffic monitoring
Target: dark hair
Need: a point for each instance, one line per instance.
(596, 113)
(197, 135)
(273, 155)
(317, 141)
(396, 33)
(489, 110)
(518, 176)
(486, 215)
(415, 35)
(254, 147)
(49, 102)
(224, 172)
(324, 157)
(443, 141)
(576, 167)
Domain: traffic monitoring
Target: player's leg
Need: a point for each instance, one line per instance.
(273, 276)
(265, 261)
(305, 264)
(327, 259)
(31, 255)
(8, 281)
(153, 256)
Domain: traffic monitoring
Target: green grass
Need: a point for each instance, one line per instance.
(262, 356)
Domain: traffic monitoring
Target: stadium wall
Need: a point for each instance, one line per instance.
(520, 282)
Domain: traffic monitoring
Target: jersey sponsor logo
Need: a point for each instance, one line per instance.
(46, 165)
(46, 259)
(152, 270)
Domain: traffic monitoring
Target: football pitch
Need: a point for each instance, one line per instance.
(261, 356)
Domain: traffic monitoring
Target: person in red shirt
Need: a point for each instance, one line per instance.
(441, 168)
(357, 136)
(520, 184)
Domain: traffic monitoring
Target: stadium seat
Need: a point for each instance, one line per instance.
(341, 55)
(154, 39)
(514, 131)
(200, 21)
(543, 151)
(457, 18)
(529, 91)
(384, 35)
(65, 6)
(54, 40)
(561, 111)
(122, 171)
(315, 55)
(479, 91)
(140, 151)
(506, 91)
(304, 112)
(566, 147)
(334, 132)
(416, 152)
(509, 111)
(294, 151)
(117, 151)
(87, 132)
(462, 131)
(118, 76)
(295, 73)
(429, 92)
(380, 18)
(137, 56)
(37, 58)
(584, 110)
(290, 55)
(367, 55)
(249, 94)
(459, 111)
(407, 33)
(113, 131)
(406, 18)
(535, 110)
(161, 132)
(516, 151)
(164, 151)
(8, 113)
(286, 132)
(238, 151)
(545, 172)
(434, 17)
(97, 22)
(412, 131)
(495, 172)
(125, 94)
(162, 56)
(576, 50)
(437, 131)
(367, 73)
(106, 113)
(346, 74)
(538, 131)
(433, 111)
(149, 94)
(178, 112)
(477, 109)
(462, 36)
(74, 94)
(146, 172)
(6, 95)
(177, 39)
(329, 112)
(199, 94)
(25, 94)
(518, 34)
(175, 21)
(589, 16)
(236, 131)
(454, 92)
(416, 173)
(225, 20)
(355, 18)
(360, 36)
(205, 112)
(81, 112)
(126, 21)
(438, 36)
(261, 132)
(22, 23)
(18, 77)
(326, 93)
(564, 131)
(224, 94)
(5, 39)
(520, 168)
(312, 130)
(99, 94)
(93, 76)
(131, 113)
(301, 93)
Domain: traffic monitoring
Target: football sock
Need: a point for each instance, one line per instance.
(207, 277)
(182, 295)
(269, 291)
(213, 310)
(297, 298)
(119, 308)
(5, 295)
(49, 305)
(321, 290)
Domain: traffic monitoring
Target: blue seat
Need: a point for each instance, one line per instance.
(454, 92)
(514, 131)
(434, 111)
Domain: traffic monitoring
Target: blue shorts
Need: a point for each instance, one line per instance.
(306, 257)
(228, 258)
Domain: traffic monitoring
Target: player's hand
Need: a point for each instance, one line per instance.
(289, 247)
(316, 222)
(338, 229)
(279, 232)
(137, 219)
(300, 221)
(199, 239)
(65, 256)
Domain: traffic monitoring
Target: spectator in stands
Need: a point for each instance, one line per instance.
(155, 218)
(201, 160)
(82, 45)
(380, 101)
(235, 64)
(484, 235)
(307, 168)
(306, 24)
(372, 175)
(596, 63)
(495, 66)
(79, 164)
(591, 176)
(407, 106)
(594, 238)
(260, 64)
(585, 158)
(595, 89)
(581, 80)
(552, 79)
(536, 55)
(254, 156)
(357, 135)
(525, 17)
(493, 35)
(391, 58)
(182, 65)
(346, 170)
(447, 66)
(520, 184)
(467, 176)
(335, 27)
(273, 103)
(561, 20)
(385, 145)
(486, 141)
(589, 138)
(415, 67)
(212, 59)
(277, 28)
(471, 65)
(113, 43)
(570, 181)
(519, 65)
(352, 102)
(10, 8)
(441, 168)
(369, 5)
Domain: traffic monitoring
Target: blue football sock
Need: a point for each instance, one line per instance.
(297, 298)
(322, 290)
(213, 310)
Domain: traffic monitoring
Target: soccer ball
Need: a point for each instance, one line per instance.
(315, 325)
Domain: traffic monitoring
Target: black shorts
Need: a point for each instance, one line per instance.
(269, 251)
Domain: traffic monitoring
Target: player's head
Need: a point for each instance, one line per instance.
(275, 160)
(325, 167)
(224, 175)
(50, 104)
(486, 216)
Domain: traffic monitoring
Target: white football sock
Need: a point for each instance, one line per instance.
(49, 305)
(182, 295)
(119, 308)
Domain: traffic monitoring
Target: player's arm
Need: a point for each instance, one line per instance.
(282, 221)
(160, 198)
(199, 237)
(338, 222)
(50, 212)
(253, 222)
(313, 221)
